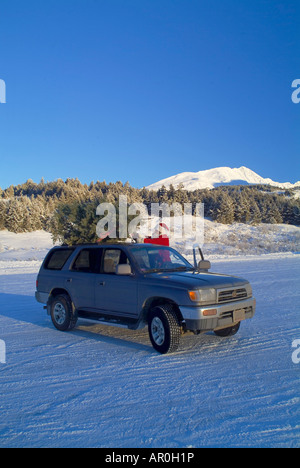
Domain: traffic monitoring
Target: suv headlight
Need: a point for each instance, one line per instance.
(249, 290)
(207, 296)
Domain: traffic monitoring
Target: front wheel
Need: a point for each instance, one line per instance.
(164, 329)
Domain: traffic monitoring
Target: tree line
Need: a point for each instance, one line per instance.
(60, 205)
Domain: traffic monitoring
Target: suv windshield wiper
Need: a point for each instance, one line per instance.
(152, 270)
(183, 268)
(169, 270)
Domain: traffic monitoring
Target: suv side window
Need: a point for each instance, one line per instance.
(87, 261)
(112, 258)
(57, 259)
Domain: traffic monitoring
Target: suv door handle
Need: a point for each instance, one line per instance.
(69, 280)
(102, 283)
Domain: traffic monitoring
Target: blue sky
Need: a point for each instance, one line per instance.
(139, 90)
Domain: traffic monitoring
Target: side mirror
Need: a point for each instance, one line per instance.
(124, 270)
(204, 265)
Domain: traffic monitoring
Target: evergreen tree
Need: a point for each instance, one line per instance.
(15, 216)
(255, 215)
(3, 211)
(162, 194)
(225, 211)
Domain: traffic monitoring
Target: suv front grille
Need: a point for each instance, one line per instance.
(231, 295)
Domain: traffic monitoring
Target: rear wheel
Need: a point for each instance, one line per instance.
(62, 314)
(230, 331)
(164, 329)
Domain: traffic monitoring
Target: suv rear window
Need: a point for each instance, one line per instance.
(87, 261)
(58, 258)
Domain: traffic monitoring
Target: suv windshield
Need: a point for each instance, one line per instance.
(153, 259)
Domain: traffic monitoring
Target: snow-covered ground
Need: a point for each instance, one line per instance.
(101, 386)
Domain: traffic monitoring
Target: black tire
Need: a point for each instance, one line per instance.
(164, 329)
(230, 331)
(63, 316)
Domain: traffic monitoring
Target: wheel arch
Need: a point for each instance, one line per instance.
(155, 301)
(57, 292)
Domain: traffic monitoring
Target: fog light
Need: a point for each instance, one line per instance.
(209, 312)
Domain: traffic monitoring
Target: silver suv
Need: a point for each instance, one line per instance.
(135, 285)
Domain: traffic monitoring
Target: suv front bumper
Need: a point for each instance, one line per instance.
(222, 316)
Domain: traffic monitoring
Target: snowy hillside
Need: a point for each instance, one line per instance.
(30, 246)
(219, 240)
(219, 176)
(226, 240)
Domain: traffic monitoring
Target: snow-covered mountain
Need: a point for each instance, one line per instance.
(219, 176)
